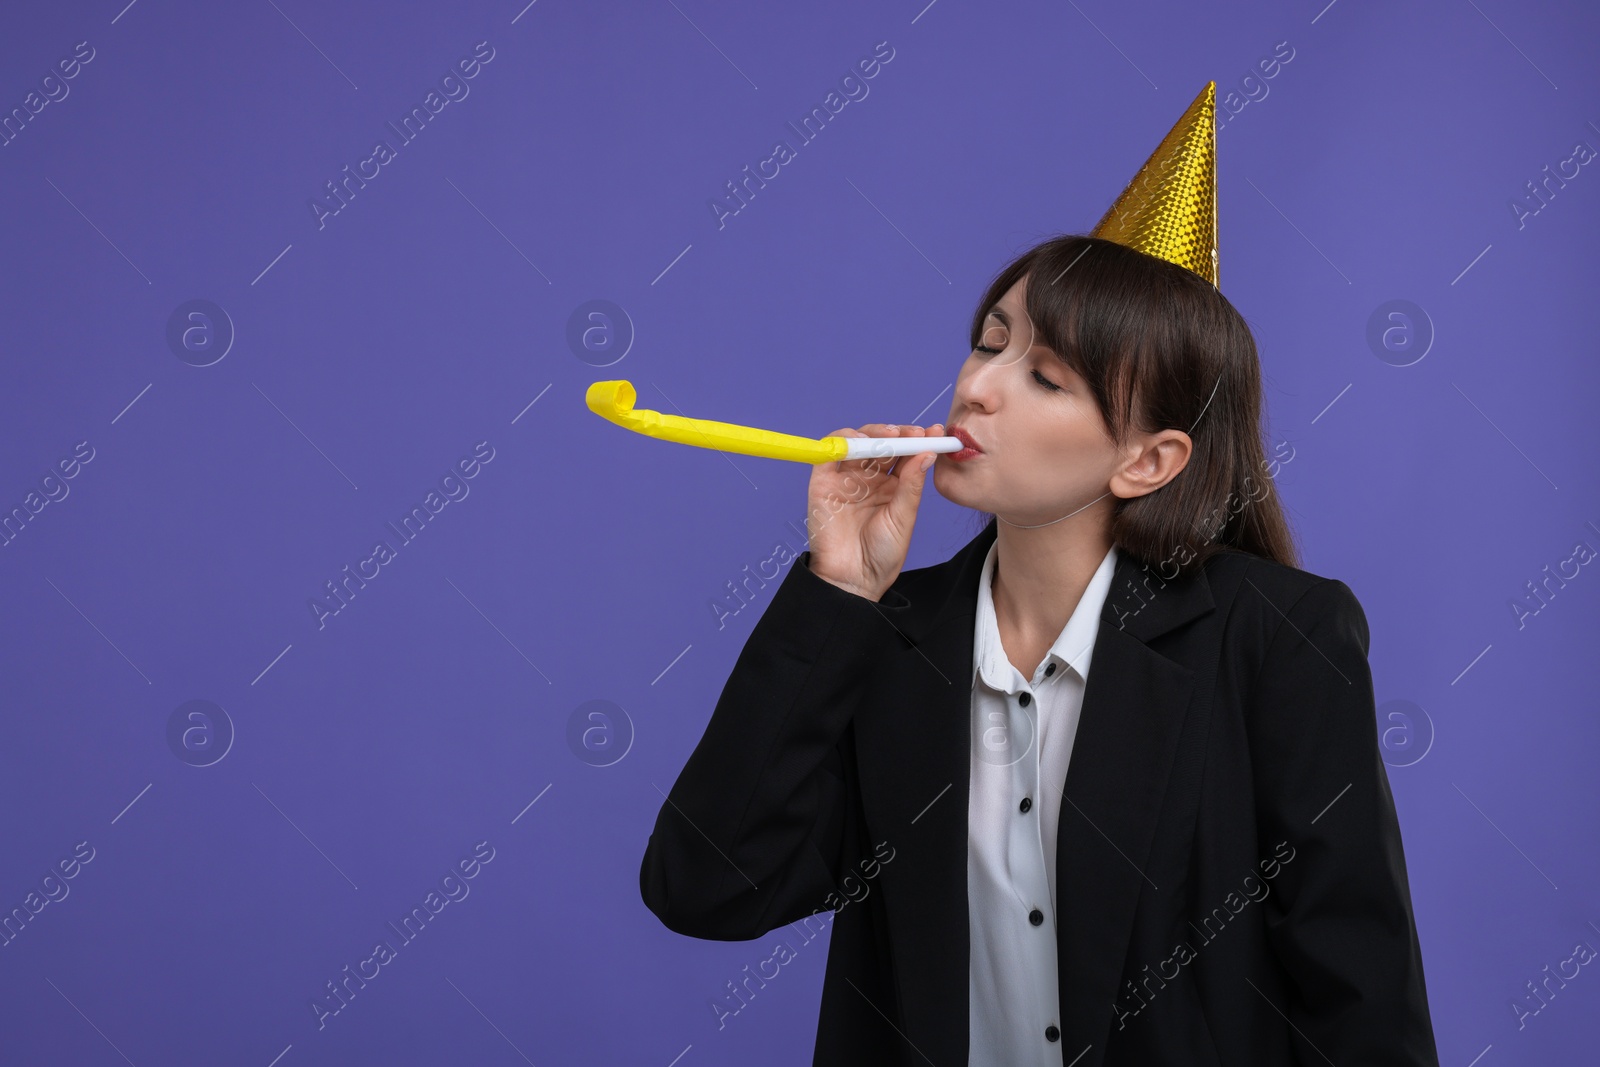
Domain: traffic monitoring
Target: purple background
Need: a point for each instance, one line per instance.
(373, 352)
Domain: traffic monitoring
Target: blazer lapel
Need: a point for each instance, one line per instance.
(1134, 708)
(913, 751)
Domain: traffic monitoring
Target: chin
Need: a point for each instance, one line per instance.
(951, 488)
(967, 493)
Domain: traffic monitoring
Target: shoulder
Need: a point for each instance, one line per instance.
(1260, 596)
(1234, 573)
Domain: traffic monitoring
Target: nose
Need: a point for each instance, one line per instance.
(978, 387)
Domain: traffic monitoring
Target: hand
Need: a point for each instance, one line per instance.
(860, 513)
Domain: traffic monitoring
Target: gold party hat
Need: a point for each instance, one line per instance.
(1169, 210)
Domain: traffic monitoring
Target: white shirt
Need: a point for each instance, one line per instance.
(1022, 734)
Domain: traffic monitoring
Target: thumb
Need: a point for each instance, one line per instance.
(908, 494)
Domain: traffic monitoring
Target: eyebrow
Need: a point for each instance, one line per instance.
(995, 312)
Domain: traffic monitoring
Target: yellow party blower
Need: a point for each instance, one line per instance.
(614, 401)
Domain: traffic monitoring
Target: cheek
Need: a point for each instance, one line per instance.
(1068, 445)
(1052, 426)
(1088, 427)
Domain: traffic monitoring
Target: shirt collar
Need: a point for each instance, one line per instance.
(1073, 647)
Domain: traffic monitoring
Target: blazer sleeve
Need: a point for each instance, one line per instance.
(1340, 919)
(749, 838)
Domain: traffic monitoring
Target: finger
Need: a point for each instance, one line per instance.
(900, 462)
(904, 463)
(877, 465)
(870, 466)
(910, 477)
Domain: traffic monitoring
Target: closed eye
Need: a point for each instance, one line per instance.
(1044, 382)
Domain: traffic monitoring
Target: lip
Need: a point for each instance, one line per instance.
(972, 449)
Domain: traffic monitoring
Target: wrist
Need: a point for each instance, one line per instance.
(847, 587)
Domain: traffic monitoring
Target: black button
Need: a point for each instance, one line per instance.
(1048, 671)
(1036, 916)
(1052, 1034)
(1024, 700)
(1026, 804)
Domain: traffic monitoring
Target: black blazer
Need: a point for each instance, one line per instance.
(1231, 887)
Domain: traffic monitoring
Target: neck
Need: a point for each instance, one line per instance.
(1041, 574)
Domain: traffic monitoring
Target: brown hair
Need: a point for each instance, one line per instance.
(1160, 347)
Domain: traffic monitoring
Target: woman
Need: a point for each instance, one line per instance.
(1192, 858)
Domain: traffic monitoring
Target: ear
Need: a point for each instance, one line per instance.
(1154, 459)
